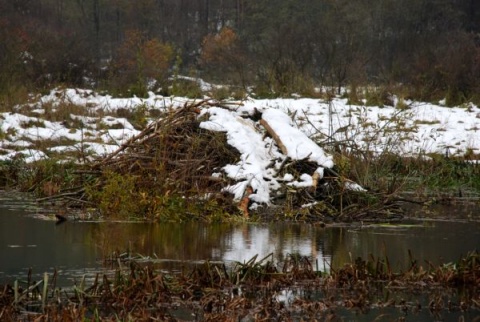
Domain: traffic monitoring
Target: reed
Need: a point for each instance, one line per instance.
(44, 291)
(136, 291)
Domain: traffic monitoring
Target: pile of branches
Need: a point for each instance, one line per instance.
(173, 153)
(168, 169)
(172, 159)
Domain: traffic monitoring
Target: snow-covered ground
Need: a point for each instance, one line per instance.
(302, 125)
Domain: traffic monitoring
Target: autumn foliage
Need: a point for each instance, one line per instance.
(223, 51)
(140, 60)
(219, 48)
(429, 48)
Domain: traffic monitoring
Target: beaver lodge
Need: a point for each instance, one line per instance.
(215, 161)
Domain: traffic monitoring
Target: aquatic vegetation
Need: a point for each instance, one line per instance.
(256, 289)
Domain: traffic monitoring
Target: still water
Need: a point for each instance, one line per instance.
(78, 248)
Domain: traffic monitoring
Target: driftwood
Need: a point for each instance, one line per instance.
(275, 136)
(315, 175)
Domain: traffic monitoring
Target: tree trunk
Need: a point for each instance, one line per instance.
(96, 29)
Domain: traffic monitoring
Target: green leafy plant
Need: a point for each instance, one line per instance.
(117, 197)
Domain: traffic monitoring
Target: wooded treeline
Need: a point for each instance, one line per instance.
(430, 47)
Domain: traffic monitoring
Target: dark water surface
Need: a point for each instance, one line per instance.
(77, 248)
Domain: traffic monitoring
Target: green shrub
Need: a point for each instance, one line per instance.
(117, 197)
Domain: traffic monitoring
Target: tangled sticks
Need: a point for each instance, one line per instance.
(208, 160)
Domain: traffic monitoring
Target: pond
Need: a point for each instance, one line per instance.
(76, 249)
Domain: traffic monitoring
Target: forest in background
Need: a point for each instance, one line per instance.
(420, 49)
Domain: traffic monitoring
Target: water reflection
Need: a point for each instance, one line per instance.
(78, 248)
(219, 242)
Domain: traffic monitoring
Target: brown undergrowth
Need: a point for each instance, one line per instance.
(257, 290)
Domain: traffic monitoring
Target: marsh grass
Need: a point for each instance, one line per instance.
(370, 155)
(137, 290)
(11, 96)
(63, 112)
(184, 87)
(136, 116)
(44, 178)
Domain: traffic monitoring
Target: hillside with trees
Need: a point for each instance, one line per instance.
(277, 47)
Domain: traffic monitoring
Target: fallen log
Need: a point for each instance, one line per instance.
(275, 136)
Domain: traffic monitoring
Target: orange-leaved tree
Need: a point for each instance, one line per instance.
(222, 52)
(140, 60)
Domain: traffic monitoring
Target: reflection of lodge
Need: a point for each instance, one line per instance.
(246, 241)
(79, 246)
(176, 245)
